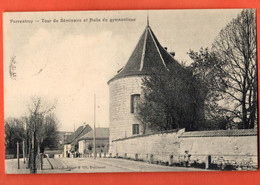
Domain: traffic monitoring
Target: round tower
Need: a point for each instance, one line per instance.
(125, 88)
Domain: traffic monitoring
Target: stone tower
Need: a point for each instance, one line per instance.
(125, 87)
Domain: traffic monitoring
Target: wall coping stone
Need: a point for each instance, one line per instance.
(220, 133)
(209, 133)
(145, 135)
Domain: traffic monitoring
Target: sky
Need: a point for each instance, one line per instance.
(66, 63)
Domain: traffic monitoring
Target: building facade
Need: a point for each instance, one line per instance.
(70, 147)
(101, 139)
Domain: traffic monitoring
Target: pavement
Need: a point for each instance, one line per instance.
(90, 165)
(100, 165)
(11, 167)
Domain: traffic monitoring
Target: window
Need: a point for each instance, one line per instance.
(135, 98)
(135, 129)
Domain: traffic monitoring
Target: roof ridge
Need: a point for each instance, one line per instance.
(90, 133)
(75, 138)
(158, 49)
(144, 49)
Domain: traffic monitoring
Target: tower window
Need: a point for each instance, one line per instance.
(135, 129)
(135, 98)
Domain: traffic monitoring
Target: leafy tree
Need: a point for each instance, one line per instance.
(205, 69)
(49, 137)
(228, 72)
(235, 47)
(171, 99)
(14, 132)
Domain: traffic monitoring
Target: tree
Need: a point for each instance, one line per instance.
(228, 72)
(42, 129)
(49, 136)
(205, 69)
(235, 48)
(170, 100)
(14, 132)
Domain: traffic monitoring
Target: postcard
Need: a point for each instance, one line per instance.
(130, 91)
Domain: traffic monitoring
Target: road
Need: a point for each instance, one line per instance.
(90, 165)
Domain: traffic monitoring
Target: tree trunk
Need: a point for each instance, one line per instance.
(254, 110)
(244, 114)
(29, 154)
(33, 168)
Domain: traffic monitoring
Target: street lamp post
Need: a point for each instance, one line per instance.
(94, 131)
(18, 159)
(23, 152)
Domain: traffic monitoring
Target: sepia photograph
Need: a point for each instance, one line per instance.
(130, 91)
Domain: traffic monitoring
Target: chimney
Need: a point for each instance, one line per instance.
(165, 48)
(172, 53)
(84, 125)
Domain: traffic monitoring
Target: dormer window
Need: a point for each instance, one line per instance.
(135, 98)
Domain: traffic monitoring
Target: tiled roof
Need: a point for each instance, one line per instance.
(147, 55)
(78, 133)
(101, 133)
(220, 133)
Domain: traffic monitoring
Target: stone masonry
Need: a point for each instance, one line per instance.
(237, 148)
(121, 119)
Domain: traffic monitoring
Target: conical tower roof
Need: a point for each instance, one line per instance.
(147, 55)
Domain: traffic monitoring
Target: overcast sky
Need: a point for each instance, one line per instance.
(70, 62)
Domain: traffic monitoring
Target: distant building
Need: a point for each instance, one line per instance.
(71, 144)
(85, 142)
(53, 153)
(63, 137)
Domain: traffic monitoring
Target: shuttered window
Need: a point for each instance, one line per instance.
(135, 129)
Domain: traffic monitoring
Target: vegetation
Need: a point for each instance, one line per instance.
(38, 130)
(171, 100)
(221, 82)
(229, 72)
(14, 132)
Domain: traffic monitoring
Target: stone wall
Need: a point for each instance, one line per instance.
(234, 148)
(160, 145)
